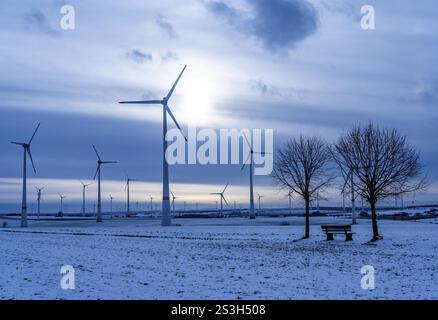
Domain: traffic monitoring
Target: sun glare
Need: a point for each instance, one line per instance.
(198, 98)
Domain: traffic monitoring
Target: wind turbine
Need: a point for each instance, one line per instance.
(165, 217)
(173, 202)
(62, 197)
(128, 180)
(221, 195)
(84, 186)
(152, 198)
(260, 197)
(350, 178)
(111, 205)
(289, 195)
(39, 199)
(99, 202)
(26, 150)
(251, 175)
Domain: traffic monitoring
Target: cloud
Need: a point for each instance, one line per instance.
(278, 24)
(426, 94)
(268, 90)
(165, 26)
(169, 56)
(138, 56)
(36, 19)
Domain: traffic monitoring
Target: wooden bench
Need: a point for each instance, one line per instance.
(330, 230)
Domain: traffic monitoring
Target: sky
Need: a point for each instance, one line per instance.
(297, 67)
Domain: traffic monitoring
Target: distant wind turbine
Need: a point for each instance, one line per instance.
(221, 195)
(152, 198)
(26, 150)
(260, 197)
(251, 176)
(165, 218)
(350, 178)
(39, 200)
(84, 186)
(128, 181)
(62, 197)
(173, 202)
(99, 202)
(111, 205)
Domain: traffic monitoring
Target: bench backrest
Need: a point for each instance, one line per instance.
(345, 228)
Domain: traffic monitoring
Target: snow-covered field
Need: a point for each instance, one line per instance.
(233, 258)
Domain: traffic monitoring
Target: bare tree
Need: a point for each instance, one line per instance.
(301, 167)
(382, 163)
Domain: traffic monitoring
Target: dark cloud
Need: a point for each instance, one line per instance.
(36, 19)
(138, 56)
(165, 26)
(278, 24)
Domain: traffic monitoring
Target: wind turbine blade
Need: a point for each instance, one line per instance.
(247, 141)
(176, 122)
(105, 162)
(31, 160)
(142, 102)
(83, 184)
(216, 193)
(172, 194)
(225, 199)
(225, 188)
(95, 150)
(19, 143)
(34, 133)
(176, 82)
(246, 161)
(96, 172)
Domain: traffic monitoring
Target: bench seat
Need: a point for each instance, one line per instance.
(330, 230)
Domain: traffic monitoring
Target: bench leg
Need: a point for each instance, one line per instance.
(348, 237)
(330, 236)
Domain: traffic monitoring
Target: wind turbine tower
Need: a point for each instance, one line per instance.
(251, 175)
(39, 200)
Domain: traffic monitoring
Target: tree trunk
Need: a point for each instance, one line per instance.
(307, 234)
(376, 235)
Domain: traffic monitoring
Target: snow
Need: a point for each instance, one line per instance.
(233, 258)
